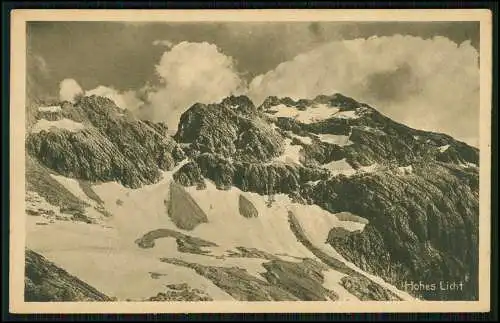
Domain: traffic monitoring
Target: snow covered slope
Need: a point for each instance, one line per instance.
(106, 255)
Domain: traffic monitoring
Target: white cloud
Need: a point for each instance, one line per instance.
(430, 84)
(41, 64)
(69, 89)
(191, 73)
(125, 100)
(163, 42)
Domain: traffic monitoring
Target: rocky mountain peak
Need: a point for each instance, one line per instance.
(341, 101)
(95, 140)
(417, 190)
(242, 104)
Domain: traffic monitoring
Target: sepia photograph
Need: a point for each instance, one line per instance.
(310, 160)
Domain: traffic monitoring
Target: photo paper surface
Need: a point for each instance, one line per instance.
(250, 161)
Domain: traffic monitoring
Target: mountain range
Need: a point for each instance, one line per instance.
(311, 199)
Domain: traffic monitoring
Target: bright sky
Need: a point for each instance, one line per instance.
(422, 74)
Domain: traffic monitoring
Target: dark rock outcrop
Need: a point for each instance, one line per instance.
(113, 146)
(284, 281)
(232, 129)
(354, 282)
(185, 243)
(423, 221)
(189, 175)
(45, 282)
(237, 282)
(422, 227)
(253, 177)
(377, 139)
(305, 279)
(245, 252)
(246, 208)
(337, 100)
(183, 209)
(38, 180)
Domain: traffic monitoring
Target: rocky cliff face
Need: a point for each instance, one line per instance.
(419, 190)
(109, 144)
(232, 129)
(45, 282)
(375, 138)
(423, 226)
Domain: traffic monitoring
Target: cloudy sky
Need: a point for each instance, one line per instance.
(425, 75)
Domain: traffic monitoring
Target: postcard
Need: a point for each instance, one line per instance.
(170, 161)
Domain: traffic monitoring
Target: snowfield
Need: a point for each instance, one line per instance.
(405, 170)
(65, 124)
(468, 164)
(337, 167)
(293, 154)
(316, 232)
(100, 257)
(342, 167)
(262, 232)
(73, 186)
(54, 108)
(339, 140)
(346, 115)
(310, 115)
(304, 140)
(444, 148)
(369, 169)
(107, 257)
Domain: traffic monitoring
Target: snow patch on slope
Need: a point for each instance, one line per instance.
(444, 148)
(333, 282)
(269, 231)
(405, 170)
(54, 108)
(97, 256)
(293, 154)
(316, 224)
(72, 186)
(304, 140)
(347, 115)
(314, 183)
(106, 256)
(337, 167)
(468, 165)
(319, 222)
(132, 207)
(311, 114)
(65, 124)
(317, 229)
(339, 140)
(369, 169)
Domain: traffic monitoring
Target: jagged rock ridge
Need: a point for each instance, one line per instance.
(45, 282)
(419, 201)
(417, 190)
(110, 146)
